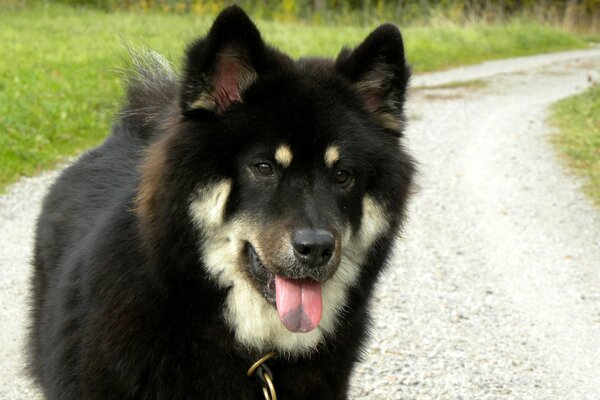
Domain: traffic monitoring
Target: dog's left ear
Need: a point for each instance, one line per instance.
(378, 70)
(219, 67)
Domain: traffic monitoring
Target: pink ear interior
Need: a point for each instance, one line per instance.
(226, 82)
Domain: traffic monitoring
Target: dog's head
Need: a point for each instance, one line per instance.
(292, 174)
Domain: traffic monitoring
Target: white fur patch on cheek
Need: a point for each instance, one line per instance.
(374, 222)
(355, 248)
(208, 203)
(219, 251)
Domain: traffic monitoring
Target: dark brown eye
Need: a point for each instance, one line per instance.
(264, 169)
(342, 176)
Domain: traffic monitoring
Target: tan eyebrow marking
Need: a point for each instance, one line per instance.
(332, 155)
(283, 155)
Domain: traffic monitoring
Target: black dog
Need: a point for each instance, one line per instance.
(247, 209)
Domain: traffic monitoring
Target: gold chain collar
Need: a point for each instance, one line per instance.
(264, 376)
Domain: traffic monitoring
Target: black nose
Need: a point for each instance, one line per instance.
(314, 247)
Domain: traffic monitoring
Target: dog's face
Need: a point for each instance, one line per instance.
(295, 172)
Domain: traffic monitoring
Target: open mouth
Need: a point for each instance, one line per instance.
(263, 277)
(298, 301)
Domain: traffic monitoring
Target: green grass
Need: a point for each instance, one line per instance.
(59, 88)
(578, 137)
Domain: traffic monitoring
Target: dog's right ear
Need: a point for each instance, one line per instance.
(219, 67)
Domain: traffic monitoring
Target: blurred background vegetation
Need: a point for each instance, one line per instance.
(577, 15)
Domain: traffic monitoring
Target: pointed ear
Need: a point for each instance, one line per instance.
(219, 67)
(378, 70)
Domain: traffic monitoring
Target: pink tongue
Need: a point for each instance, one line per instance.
(299, 303)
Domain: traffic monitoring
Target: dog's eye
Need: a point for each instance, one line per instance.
(264, 169)
(342, 176)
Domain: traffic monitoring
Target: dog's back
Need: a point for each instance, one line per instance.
(78, 205)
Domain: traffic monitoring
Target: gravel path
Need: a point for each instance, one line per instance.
(495, 291)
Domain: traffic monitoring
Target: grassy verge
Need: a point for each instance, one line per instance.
(578, 138)
(59, 88)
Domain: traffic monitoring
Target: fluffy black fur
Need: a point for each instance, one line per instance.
(122, 305)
